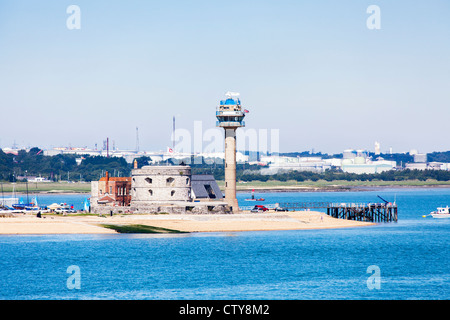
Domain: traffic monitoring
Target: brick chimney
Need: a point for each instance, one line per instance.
(107, 182)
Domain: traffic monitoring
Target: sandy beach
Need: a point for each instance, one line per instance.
(54, 224)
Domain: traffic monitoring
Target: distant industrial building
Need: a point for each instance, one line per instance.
(421, 163)
(377, 150)
(359, 162)
(428, 166)
(353, 161)
(155, 156)
(420, 158)
(416, 166)
(129, 156)
(367, 166)
(32, 179)
(281, 163)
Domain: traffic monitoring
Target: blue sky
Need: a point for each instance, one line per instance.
(311, 69)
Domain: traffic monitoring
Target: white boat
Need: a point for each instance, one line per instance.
(443, 212)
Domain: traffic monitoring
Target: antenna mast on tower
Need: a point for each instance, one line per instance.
(173, 134)
(137, 139)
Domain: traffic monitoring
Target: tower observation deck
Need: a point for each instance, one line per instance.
(230, 116)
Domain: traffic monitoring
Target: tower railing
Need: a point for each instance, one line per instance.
(230, 123)
(229, 113)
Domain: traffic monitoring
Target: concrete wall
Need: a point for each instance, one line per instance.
(94, 194)
(192, 208)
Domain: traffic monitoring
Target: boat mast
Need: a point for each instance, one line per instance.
(26, 181)
(3, 195)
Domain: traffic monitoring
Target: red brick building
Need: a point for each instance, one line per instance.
(114, 191)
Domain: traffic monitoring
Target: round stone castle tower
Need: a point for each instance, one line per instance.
(160, 184)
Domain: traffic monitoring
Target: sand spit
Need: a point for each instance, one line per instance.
(53, 224)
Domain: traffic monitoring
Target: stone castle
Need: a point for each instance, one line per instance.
(158, 189)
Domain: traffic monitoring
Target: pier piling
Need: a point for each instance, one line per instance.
(373, 212)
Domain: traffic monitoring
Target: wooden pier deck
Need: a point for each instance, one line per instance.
(373, 212)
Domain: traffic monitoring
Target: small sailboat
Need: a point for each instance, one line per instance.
(21, 205)
(86, 205)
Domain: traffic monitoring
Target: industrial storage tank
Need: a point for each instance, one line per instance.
(360, 160)
(349, 154)
(347, 162)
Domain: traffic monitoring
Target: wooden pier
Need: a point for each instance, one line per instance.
(373, 212)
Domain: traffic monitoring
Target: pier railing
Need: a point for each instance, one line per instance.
(304, 205)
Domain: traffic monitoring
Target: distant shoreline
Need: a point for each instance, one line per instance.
(336, 188)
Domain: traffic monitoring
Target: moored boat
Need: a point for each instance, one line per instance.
(253, 197)
(442, 212)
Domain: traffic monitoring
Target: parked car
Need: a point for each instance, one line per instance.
(62, 210)
(259, 208)
(280, 209)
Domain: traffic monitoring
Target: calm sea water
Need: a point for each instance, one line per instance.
(412, 257)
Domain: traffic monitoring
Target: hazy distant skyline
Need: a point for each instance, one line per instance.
(311, 69)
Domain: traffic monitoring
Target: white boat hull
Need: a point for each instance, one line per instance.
(441, 212)
(440, 215)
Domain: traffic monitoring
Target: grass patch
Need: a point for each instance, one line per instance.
(139, 228)
(50, 187)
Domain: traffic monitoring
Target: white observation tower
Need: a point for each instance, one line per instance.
(230, 116)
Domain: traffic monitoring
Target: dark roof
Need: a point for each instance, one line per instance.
(204, 186)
